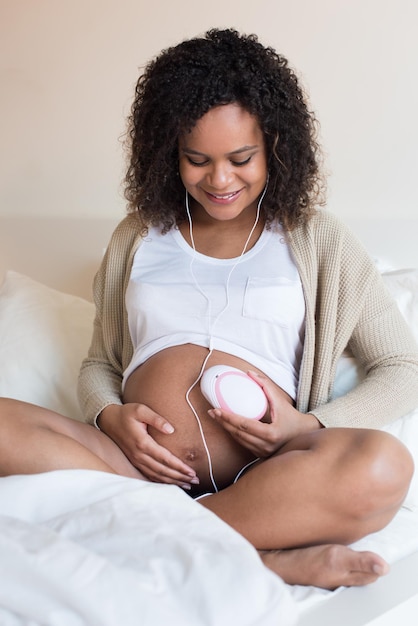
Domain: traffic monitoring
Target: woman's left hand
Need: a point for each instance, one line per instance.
(264, 438)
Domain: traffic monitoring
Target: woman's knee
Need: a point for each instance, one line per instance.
(16, 409)
(391, 466)
(375, 468)
(18, 417)
(11, 410)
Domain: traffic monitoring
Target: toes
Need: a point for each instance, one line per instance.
(328, 566)
(366, 567)
(353, 568)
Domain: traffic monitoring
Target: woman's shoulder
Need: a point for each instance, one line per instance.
(332, 243)
(323, 222)
(124, 240)
(324, 229)
(127, 232)
(129, 225)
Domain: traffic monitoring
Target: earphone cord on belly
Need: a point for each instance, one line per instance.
(212, 326)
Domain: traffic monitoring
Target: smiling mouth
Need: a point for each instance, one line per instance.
(223, 196)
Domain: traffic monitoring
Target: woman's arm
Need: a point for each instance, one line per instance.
(387, 352)
(101, 373)
(348, 304)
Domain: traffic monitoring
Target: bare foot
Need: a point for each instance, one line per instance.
(327, 566)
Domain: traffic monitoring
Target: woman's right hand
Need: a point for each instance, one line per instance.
(127, 425)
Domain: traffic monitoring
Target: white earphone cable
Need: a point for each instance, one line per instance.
(212, 326)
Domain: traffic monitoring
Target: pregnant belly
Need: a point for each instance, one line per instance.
(162, 383)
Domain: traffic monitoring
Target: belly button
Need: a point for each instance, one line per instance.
(191, 455)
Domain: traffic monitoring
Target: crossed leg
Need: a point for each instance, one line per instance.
(322, 491)
(298, 508)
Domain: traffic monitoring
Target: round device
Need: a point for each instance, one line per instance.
(232, 390)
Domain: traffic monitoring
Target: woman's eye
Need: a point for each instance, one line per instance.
(197, 163)
(240, 163)
(203, 163)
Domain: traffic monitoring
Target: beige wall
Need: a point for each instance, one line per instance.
(67, 70)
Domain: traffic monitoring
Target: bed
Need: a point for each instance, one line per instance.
(80, 547)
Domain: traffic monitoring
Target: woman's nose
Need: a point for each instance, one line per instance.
(220, 176)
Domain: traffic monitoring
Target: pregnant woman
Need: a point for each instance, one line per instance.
(226, 258)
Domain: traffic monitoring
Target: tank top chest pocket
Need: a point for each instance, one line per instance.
(277, 300)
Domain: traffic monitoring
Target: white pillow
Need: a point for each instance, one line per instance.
(403, 285)
(44, 335)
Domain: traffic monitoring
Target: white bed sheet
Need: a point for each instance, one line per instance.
(82, 548)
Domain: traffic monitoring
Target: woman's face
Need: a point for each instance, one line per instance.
(222, 163)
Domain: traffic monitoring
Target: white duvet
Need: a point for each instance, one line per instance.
(85, 548)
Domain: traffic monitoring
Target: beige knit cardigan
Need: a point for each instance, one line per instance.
(347, 305)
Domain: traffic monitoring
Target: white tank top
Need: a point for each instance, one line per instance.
(256, 311)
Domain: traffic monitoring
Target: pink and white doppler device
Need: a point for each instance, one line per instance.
(232, 390)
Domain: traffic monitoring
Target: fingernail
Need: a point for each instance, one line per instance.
(195, 481)
(380, 570)
(186, 486)
(168, 429)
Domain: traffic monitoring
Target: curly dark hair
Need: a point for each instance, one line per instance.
(180, 85)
